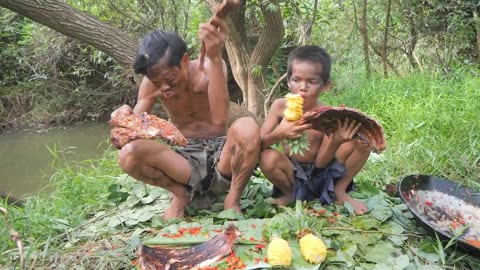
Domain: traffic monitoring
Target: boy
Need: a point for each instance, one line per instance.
(326, 170)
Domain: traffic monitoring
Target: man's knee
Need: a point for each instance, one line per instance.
(247, 131)
(127, 159)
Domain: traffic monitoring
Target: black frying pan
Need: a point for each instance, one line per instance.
(427, 212)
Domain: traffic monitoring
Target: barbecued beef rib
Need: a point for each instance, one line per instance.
(127, 128)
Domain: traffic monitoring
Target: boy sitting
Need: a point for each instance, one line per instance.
(325, 171)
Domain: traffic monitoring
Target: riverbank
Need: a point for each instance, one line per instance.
(53, 103)
(30, 157)
(96, 216)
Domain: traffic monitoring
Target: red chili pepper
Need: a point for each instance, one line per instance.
(429, 203)
(194, 230)
(260, 246)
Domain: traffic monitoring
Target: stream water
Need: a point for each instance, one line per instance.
(26, 155)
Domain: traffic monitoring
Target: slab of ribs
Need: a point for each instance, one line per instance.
(127, 128)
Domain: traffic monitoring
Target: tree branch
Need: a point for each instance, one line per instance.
(270, 94)
(71, 22)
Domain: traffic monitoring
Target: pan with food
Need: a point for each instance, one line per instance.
(445, 207)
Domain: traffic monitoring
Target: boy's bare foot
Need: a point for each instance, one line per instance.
(177, 206)
(232, 202)
(285, 199)
(359, 207)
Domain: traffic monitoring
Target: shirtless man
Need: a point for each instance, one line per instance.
(217, 159)
(325, 172)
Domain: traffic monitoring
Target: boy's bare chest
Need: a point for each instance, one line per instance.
(314, 136)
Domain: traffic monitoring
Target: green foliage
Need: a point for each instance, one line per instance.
(14, 40)
(50, 79)
(60, 82)
(257, 70)
(429, 120)
(76, 192)
(298, 145)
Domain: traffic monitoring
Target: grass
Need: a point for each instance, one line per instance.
(431, 124)
(78, 191)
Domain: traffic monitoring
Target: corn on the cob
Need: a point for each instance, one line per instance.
(294, 108)
(313, 249)
(279, 253)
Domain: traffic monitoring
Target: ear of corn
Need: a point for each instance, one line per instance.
(279, 253)
(293, 112)
(313, 249)
(294, 107)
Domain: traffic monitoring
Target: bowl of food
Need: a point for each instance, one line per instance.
(444, 207)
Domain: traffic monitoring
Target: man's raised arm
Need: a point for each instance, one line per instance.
(213, 36)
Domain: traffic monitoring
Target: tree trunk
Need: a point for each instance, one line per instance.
(243, 58)
(476, 21)
(385, 41)
(306, 28)
(409, 51)
(79, 25)
(364, 34)
(377, 50)
(61, 17)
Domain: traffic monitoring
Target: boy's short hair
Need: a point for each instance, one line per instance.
(154, 46)
(313, 54)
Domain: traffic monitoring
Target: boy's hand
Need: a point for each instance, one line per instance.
(345, 131)
(213, 36)
(291, 129)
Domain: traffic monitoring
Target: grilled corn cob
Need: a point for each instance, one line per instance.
(294, 110)
(313, 249)
(279, 253)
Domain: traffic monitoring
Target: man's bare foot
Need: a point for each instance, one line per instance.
(177, 206)
(232, 202)
(359, 207)
(285, 199)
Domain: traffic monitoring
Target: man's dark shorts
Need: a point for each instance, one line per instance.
(313, 183)
(206, 181)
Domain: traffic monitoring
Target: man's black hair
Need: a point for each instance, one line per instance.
(313, 54)
(154, 46)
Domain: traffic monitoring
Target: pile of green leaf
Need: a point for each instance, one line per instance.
(387, 237)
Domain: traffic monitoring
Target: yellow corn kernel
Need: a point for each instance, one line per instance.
(313, 249)
(294, 107)
(279, 253)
